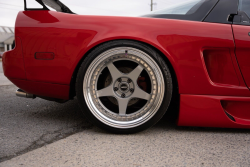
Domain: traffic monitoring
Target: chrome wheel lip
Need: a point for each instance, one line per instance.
(125, 123)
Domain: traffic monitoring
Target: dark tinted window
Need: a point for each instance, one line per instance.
(244, 6)
(222, 11)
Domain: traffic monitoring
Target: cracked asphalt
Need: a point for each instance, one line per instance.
(43, 133)
(27, 124)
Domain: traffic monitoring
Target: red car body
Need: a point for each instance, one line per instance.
(210, 61)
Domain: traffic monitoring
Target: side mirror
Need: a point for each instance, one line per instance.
(241, 18)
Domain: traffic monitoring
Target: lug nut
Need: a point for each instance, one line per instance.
(119, 80)
(129, 81)
(115, 89)
(131, 90)
(123, 95)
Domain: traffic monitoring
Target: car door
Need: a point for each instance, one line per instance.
(241, 30)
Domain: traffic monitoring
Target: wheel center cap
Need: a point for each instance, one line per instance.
(124, 87)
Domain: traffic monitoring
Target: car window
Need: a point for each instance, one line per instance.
(244, 6)
(186, 7)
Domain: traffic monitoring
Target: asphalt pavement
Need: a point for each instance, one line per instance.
(27, 124)
(43, 133)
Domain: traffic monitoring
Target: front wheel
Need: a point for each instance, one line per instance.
(124, 86)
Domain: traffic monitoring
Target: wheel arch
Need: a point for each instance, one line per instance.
(175, 98)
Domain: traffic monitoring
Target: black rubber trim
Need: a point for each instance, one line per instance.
(230, 116)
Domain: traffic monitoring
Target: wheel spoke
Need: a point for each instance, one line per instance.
(123, 103)
(108, 91)
(134, 75)
(115, 73)
(139, 93)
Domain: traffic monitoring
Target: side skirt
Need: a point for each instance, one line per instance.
(214, 111)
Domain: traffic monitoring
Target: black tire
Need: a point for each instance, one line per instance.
(133, 44)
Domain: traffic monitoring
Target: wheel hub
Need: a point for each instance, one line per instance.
(124, 87)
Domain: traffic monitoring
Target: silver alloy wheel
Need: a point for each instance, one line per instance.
(123, 87)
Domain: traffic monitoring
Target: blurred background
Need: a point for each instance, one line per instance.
(9, 9)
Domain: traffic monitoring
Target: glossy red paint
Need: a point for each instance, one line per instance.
(43, 89)
(219, 66)
(239, 109)
(13, 63)
(207, 111)
(184, 43)
(70, 37)
(242, 42)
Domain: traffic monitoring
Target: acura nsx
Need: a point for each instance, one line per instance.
(126, 71)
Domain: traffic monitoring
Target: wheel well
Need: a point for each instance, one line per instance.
(175, 98)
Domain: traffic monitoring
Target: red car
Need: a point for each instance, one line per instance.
(126, 71)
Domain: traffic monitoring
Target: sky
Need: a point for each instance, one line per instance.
(10, 8)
